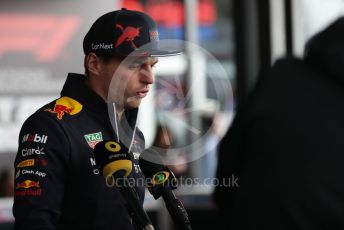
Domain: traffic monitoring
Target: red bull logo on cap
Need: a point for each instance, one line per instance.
(128, 35)
(65, 105)
(28, 184)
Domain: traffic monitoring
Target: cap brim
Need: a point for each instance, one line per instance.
(155, 53)
(162, 48)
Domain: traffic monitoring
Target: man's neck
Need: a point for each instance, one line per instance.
(98, 90)
(119, 111)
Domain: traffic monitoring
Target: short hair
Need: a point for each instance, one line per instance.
(104, 59)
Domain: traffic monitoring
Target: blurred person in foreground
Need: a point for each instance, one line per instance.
(286, 146)
(6, 183)
(57, 182)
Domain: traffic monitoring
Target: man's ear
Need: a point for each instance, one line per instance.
(93, 63)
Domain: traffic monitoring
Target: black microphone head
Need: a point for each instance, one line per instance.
(112, 157)
(157, 173)
(150, 162)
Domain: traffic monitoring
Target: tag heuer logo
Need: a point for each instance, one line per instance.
(93, 138)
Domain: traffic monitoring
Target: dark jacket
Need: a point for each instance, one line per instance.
(57, 183)
(286, 146)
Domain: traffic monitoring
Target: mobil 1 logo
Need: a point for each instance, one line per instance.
(35, 138)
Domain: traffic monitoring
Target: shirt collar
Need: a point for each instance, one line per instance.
(76, 88)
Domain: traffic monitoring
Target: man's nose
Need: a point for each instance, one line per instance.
(147, 75)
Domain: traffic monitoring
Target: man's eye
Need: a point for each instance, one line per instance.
(134, 66)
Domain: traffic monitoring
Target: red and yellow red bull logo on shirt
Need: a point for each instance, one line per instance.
(65, 105)
(28, 184)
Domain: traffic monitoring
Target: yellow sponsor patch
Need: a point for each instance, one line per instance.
(65, 105)
(26, 163)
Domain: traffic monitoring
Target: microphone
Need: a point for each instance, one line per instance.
(161, 183)
(115, 164)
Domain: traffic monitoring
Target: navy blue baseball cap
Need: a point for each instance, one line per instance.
(124, 32)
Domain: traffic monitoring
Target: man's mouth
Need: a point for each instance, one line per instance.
(142, 93)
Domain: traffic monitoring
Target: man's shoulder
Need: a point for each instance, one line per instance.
(60, 109)
(40, 114)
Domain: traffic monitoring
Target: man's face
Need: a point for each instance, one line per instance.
(129, 80)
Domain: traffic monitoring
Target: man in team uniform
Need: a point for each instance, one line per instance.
(57, 182)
